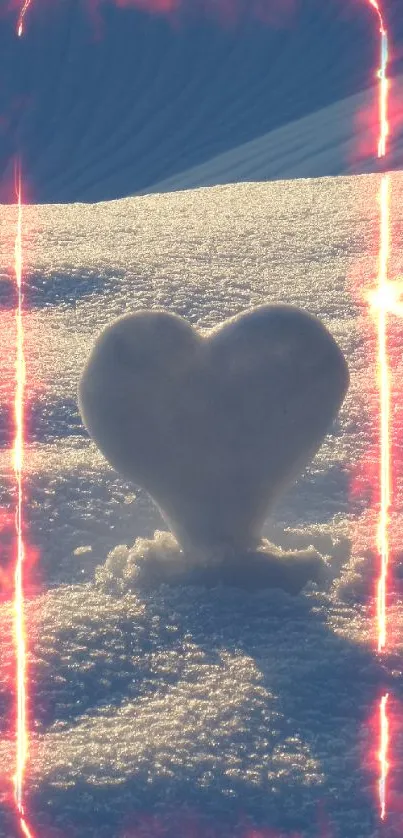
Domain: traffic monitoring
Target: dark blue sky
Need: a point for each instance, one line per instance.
(97, 118)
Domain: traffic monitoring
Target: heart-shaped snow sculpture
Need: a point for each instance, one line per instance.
(214, 427)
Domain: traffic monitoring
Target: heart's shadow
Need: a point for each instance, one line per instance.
(316, 687)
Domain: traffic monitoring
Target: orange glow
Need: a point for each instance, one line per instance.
(383, 753)
(224, 12)
(25, 828)
(18, 450)
(20, 24)
(387, 298)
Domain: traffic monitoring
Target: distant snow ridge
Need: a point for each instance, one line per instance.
(103, 115)
(328, 142)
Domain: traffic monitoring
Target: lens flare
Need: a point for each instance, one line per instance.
(384, 301)
(18, 451)
(383, 82)
(270, 12)
(21, 17)
(383, 752)
(383, 294)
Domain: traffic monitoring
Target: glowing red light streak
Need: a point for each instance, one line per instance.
(383, 752)
(18, 450)
(384, 83)
(21, 18)
(380, 302)
(385, 300)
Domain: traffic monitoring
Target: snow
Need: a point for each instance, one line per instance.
(162, 705)
(321, 144)
(104, 106)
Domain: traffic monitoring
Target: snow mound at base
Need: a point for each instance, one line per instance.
(160, 561)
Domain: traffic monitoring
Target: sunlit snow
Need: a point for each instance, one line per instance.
(152, 702)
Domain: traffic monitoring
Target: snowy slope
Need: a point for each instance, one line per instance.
(105, 107)
(325, 143)
(193, 712)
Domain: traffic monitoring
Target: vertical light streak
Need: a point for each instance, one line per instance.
(383, 753)
(380, 303)
(21, 731)
(384, 82)
(21, 725)
(384, 296)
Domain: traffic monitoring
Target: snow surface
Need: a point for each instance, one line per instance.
(161, 710)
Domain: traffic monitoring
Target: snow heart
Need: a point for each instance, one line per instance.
(215, 427)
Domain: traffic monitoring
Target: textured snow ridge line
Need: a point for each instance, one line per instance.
(98, 115)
